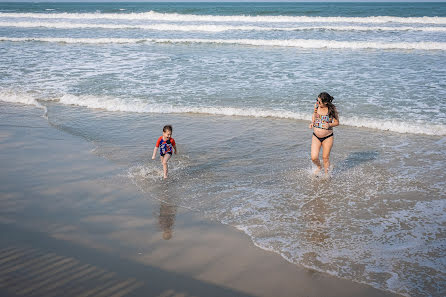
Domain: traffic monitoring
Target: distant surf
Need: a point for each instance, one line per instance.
(151, 15)
(298, 43)
(212, 27)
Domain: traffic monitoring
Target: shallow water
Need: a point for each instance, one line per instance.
(378, 219)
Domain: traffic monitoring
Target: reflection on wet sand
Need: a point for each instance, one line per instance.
(315, 216)
(167, 213)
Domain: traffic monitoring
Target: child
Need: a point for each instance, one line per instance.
(166, 144)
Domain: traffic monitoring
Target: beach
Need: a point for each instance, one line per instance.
(70, 226)
(86, 88)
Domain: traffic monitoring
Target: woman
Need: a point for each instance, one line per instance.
(325, 117)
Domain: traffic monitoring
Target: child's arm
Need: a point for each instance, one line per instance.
(157, 145)
(154, 152)
(174, 145)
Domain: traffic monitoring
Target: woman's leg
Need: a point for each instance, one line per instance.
(164, 160)
(327, 144)
(315, 149)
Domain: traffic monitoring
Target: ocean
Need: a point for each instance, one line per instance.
(238, 82)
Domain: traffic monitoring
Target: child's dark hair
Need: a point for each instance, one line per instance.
(167, 128)
(327, 99)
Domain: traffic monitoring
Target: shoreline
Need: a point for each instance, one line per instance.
(69, 218)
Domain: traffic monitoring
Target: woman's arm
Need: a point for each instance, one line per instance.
(334, 123)
(335, 120)
(312, 118)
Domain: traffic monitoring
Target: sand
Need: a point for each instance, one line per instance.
(72, 224)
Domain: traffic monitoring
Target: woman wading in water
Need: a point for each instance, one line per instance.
(325, 117)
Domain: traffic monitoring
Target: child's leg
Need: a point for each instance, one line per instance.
(164, 160)
(162, 163)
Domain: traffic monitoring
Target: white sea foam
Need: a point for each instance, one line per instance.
(139, 106)
(74, 40)
(234, 18)
(18, 97)
(387, 240)
(208, 27)
(395, 126)
(298, 43)
(158, 27)
(146, 171)
(21, 98)
(107, 103)
(317, 44)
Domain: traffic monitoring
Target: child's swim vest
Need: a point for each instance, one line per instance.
(166, 146)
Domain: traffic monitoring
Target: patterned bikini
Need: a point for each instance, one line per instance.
(321, 122)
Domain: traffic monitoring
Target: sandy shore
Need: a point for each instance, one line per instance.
(73, 225)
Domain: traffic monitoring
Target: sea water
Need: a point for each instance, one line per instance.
(238, 82)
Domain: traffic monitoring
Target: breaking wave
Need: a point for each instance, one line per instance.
(297, 43)
(209, 27)
(155, 16)
(114, 104)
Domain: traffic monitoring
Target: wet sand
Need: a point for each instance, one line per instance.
(72, 225)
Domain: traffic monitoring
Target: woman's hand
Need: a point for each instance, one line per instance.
(311, 125)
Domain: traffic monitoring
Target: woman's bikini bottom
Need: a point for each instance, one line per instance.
(321, 139)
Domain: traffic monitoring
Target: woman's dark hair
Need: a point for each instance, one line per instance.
(167, 128)
(327, 99)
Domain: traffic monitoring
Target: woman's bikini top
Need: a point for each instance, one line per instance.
(320, 120)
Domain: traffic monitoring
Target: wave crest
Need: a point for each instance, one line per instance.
(114, 104)
(18, 97)
(209, 28)
(156, 16)
(297, 43)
